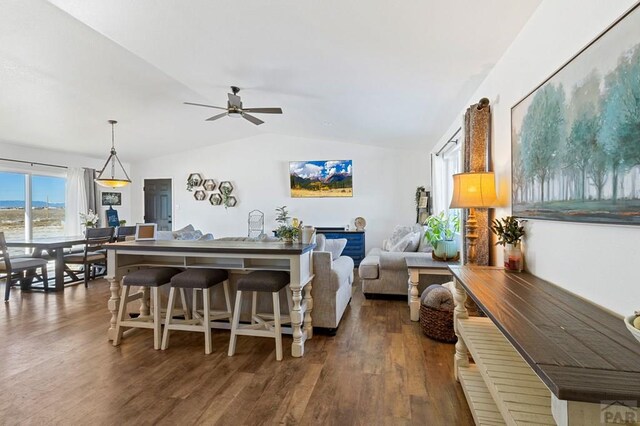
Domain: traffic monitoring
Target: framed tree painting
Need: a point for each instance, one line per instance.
(111, 199)
(575, 140)
(321, 178)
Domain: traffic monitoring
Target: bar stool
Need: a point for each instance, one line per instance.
(197, 279)
(153, 278)
(263, 325)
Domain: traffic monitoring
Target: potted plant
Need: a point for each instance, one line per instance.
(226, 196)
(285, 231)
(442, 231)
(510, 233)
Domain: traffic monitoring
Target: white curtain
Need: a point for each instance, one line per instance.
(444, 166)
(75, 201)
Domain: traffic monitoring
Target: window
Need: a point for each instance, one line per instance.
(31, 205)
(445, 165)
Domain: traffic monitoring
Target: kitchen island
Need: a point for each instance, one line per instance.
(234, 256)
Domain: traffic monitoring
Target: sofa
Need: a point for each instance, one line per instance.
(332, 283)
(384, 270)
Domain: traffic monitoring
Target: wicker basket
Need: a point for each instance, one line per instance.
(437, 324)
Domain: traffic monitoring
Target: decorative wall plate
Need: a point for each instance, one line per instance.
(209, 184)
(232, 201)
(215, 199)
(199, 195)
(360, 223)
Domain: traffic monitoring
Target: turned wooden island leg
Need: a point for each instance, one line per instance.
(414, 300)
(308, 327)
(461, 358)
(113, 305)
(297, 348)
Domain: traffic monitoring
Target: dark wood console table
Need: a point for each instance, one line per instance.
(543, 355)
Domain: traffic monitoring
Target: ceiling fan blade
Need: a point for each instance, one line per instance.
(215, 117)
(234, 100)
(264, 110)
(251, 118)
(203, 105)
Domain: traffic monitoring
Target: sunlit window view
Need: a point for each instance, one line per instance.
(47, 205)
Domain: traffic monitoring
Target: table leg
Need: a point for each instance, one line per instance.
(59, 268)
(414, 301)
(308, 326)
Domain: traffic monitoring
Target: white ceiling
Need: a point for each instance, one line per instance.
(387, 73)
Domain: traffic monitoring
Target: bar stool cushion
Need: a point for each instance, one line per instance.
(267, 281)
(199, 278)
(150, 277)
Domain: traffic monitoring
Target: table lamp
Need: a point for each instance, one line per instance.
(471, 191)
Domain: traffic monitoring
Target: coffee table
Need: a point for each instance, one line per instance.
(423, 266)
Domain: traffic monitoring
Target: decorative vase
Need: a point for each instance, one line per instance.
(446, 249)
(513, 259)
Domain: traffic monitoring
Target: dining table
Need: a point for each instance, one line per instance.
(236, 257)
(54, 247)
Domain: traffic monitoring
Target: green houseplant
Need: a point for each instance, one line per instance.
(441, 233)
(510, 233)
(285, 231)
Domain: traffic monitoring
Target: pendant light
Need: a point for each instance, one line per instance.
(112, 181)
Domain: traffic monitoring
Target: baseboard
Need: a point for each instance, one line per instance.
(325, 331)
(382, 296)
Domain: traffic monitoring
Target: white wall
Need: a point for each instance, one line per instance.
(598, 262)
(60, 158)
(384, 182)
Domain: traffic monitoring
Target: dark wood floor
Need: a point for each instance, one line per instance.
(56, 367)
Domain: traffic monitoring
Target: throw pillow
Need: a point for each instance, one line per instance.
(425, 245)
(191, 235)
(398, 233)
(321, 241)
(177, 233)
(414, 242)
(402, 244)
(438, 297)
(206, 237)
(335, 246)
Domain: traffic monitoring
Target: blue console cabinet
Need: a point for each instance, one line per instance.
(355, 248)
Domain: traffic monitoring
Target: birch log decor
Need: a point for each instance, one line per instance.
(477, 134)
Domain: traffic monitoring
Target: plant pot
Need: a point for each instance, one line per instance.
(287, 240)
(446, 249)
(513, 258)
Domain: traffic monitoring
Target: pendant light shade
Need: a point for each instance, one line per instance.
(111, 180)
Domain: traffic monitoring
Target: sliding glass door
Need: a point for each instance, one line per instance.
(31, 205)
(12, 205)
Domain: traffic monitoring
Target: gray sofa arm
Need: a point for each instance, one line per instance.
(329, 275)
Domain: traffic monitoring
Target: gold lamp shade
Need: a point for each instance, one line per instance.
(474, 190)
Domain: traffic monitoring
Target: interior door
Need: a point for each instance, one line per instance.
(157, 203)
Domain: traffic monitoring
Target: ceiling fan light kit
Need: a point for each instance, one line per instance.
(235, 109)
(112, 181)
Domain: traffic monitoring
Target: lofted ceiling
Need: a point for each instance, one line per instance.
(372, 72)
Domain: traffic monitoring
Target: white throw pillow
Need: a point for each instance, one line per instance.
(335, 246)
(414, 242)
(402, 244)
(399, 233)
(178, 233)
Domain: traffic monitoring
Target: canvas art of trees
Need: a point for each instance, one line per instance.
(576, 141)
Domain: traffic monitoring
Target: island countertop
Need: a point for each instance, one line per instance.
(213, 246)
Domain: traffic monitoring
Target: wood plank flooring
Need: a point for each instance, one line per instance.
(56, 367)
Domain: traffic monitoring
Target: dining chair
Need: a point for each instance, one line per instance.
(20, 268)
(93, 253)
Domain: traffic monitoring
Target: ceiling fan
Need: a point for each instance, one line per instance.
(234, 109)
